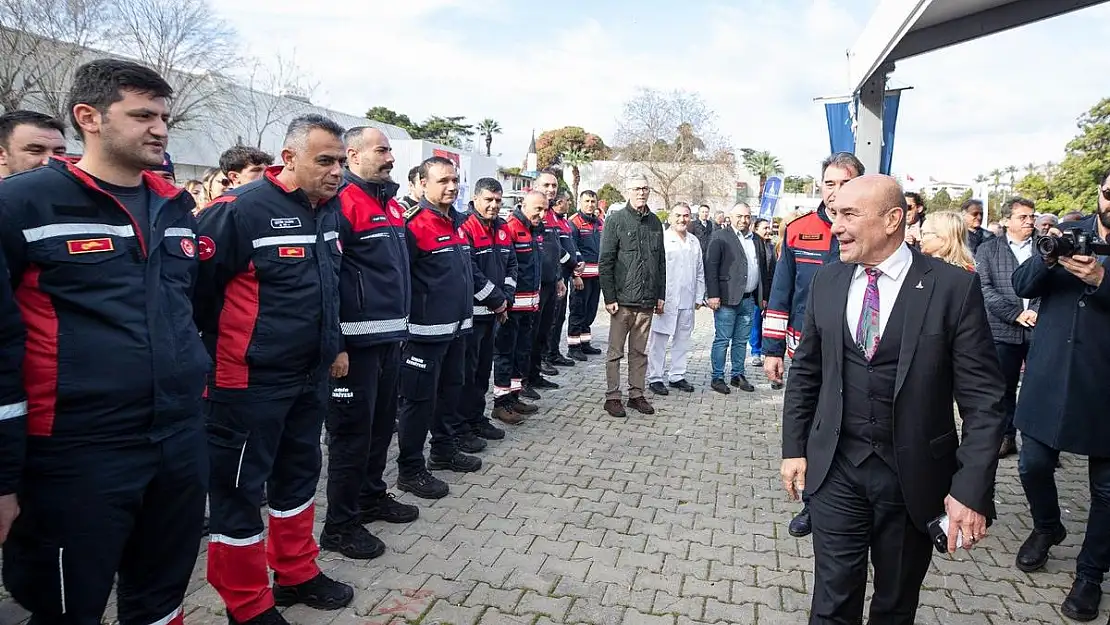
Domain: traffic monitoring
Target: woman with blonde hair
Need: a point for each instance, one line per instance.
(944, 236)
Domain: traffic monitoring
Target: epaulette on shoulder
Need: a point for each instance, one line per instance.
(410, 213)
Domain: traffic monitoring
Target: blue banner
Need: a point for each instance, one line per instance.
(772, 191)
(842, 137)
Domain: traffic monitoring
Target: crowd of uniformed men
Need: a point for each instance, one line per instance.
(156, 354)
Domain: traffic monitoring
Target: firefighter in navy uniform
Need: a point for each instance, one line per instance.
(512, 347)
(433, 361)
(553, 288)
(491, 251)
(807, 245)
(374, 296)
(267, 305)
(109, 464)
(571, 277)
(586, 228)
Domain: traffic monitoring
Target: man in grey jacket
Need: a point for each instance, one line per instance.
(632, 269)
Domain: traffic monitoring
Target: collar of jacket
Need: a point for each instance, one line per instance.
(823, 213)
(494, 223)
(297, 195)
(519, 214)
(383, 190)
(455, 216)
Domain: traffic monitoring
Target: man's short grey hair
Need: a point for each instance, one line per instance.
(843, 160)
(741, 205)
(679, 205)
(355, 137)
(296, 136)
(538, 194)
(633, 182)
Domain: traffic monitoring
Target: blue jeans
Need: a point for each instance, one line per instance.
(1037, 467)
(732, 325)
(756, 340)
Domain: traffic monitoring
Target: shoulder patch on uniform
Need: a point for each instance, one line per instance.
(410, 213)
(805, 236)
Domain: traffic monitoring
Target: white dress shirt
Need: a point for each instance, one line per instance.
(685, 275)
(748, 244)
(894, 270)
(1023, 251)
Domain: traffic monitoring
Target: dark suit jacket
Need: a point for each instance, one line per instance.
(703, 232)
(726, 268)
(995, 262)
(945, 353)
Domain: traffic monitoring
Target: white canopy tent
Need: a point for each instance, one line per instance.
(900, 29)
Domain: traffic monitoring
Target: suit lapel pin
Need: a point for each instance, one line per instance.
(919, 285)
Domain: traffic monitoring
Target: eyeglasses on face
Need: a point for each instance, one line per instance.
(1106, 193)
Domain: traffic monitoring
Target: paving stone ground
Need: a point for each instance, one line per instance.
(677, 518)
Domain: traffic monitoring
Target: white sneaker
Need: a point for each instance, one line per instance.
(757, 361)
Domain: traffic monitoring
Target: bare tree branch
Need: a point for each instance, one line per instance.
(180, 40)
(271, 95)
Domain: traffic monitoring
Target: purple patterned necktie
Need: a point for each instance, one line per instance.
(867, 330)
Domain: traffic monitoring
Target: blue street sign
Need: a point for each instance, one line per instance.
(772, 190)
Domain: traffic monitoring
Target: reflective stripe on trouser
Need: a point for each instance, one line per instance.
(94, 511)
(479, 366)
(244, 440)
(512, 351)
(431, 382)
(583, 311)
(361, 414)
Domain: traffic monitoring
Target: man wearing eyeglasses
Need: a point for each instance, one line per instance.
(1011, 318)
(1061, 404)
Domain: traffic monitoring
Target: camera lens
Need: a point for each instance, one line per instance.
(1046, 246)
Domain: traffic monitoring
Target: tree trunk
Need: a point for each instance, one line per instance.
(762, 185)
(489, 142)
(577, 178)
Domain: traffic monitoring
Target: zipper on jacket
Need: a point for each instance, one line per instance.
(360, 290)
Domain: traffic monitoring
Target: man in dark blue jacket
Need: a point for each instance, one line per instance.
(1061, 404)
(433, 362)
(373, 314)
(553, 288)
(586, 230)
(267, 304)
(494, 260)
(109, 465)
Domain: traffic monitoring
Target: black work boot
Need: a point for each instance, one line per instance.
(489, 431)
(354, 542)
(470, 443)
(577, 353)
(590, 350)
(387, 508)
(1033, 554)
(458, 462)
(320, 592)
(424, 485)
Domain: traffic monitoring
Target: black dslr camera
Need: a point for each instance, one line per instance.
(1073, 242)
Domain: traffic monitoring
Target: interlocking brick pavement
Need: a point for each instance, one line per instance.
(672, 519)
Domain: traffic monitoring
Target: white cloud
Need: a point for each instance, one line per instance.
(1010, 98)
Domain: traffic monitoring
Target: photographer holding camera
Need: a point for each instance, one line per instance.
(1060, 408)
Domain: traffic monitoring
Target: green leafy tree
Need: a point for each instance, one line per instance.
(764, 165)
(797, 184)
(941, 200)
(965, 196)
(487, 128)
(575, 158)
(609, 194)
(551, 145)
(393, 118)
(450, 131)
(1087, 157)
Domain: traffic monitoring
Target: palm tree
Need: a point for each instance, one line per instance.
(764, 165)
(575, 158)
(980, 179)
(1030, 169)
(487, 128)
(1012, 169)
(996, 179)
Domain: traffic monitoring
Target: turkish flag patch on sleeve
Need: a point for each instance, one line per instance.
(290, 252)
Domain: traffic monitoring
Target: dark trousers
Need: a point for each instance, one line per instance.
(431, 385)
(479, 366)
(583, 311)
(276, 444)
(559, 317)
(544, 320)
(1037, 467)
(512, 355)
(91, 511)
(1010, 359)
(361, 415)
(855, 511)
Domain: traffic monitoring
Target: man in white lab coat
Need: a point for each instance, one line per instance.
(685, 294)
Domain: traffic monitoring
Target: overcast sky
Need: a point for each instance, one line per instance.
(1011, 98)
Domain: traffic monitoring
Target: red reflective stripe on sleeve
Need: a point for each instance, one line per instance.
(236, 327)
(40, 358)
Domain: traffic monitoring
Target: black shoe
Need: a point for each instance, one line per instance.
(270, 617)
(424, 485)
(742, 383)
(387, 508)
(320, 592)
(354, 542)
(682, 385)
(548, 369)
(1008, 447)
(720, 386)
(489, 431)
(459, 463)
(800, 526)
(776, 386)
(542, 383)
(658, 388)
(560, 360)
(1082, 602)
(577, 354)
(530, 393)
(471, 444)
(1033, 554)
(590, 350)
